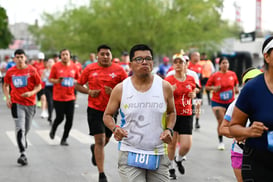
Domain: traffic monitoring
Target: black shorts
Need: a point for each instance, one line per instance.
(257, 165)
(183, 125)
(95, 123)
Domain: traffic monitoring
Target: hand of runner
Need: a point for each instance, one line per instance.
(108, 90)
(27, 94)
(257, 129)
(120, 133)
(94, 93)
(166, 136)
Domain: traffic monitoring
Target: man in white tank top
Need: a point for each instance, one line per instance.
(147, 119)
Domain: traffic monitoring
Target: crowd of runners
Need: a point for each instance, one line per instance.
(151, 115)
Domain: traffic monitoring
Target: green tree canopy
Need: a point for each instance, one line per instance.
(167, 26)
(5, 34)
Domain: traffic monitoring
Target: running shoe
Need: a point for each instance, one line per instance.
(22, 160)
(93, 159)
(102, 177)
(64, 143)
(180, 167)
(44, 114)
(197, 125)
(172, 174)
(221, 146)
(51, 134)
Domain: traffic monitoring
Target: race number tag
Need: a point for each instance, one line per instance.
(226, 95)
(68, 82)
(19, 81)
(144, 161)
(270, 141)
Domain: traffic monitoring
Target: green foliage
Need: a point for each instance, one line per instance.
(5, 34)
(167, 28)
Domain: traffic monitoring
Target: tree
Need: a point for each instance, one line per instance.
(166, 27)
(5, 34)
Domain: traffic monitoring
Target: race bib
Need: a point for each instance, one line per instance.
(144, 161)
(19, 81)
(270, 141)
(68, 82)
(226, 95)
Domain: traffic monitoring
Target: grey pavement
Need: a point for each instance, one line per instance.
(50, 162)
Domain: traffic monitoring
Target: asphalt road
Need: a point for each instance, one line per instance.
(50, 162)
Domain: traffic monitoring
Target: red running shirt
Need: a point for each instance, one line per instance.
(97, 77)
(21, 81)
(64, 91)
(183, 103)
(227, 81)
(197, 68)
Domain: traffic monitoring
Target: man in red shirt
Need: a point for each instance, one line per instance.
(101, 77)
(63, 75)
(24, 82)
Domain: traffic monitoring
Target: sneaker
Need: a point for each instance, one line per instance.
(221, 146)
(44, 114)
(49, 120)
(180, 167)
(93, 160)
(197, 125)
(184, 158)
(102, 177)
(64, 143)
(51, 134)
(22, 160)
(172, 174)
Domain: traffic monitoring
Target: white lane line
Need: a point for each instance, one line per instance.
(44, 134)
(81, 137)
(11, 135)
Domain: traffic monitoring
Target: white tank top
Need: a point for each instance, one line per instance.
(143, 116)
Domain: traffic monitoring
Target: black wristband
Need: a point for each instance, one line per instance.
(171, 130)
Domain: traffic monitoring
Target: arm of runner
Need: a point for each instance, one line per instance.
(36, 89)
(166, 135)
(111, 108)
(55, 80)
(6, 93)
(224, 129)
(237, 126)
(85, 90)
(108, 90)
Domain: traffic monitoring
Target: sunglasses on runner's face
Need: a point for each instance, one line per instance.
(141, 59)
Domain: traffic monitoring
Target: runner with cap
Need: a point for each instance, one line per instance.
(164, 67)
(184, 89)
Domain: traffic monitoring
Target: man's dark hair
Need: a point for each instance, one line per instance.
(140, 47)
(103, 46)
(65, 50)
(19, 51)
(268, 52)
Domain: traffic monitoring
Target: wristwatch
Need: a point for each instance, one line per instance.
(171, 130)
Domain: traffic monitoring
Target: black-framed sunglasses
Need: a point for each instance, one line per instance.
(141, 59)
